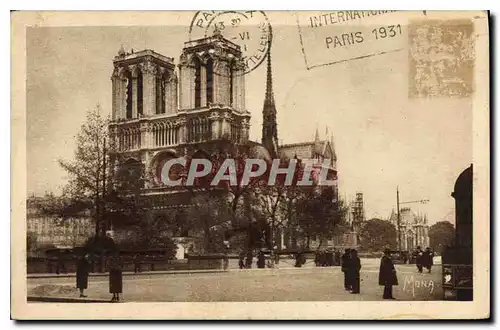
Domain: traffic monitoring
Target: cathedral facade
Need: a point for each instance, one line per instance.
(162, 111)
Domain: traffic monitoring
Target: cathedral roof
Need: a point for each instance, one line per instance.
(305, 150)
(122, 56)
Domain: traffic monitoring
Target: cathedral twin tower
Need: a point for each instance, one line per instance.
(157, 115)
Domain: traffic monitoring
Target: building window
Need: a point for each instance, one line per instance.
(210, 80)
(139, 93)
(231, 84)
(197, 84)
(129, 96)
(160, 95)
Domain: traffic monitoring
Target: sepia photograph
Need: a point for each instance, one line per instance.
(250, 165)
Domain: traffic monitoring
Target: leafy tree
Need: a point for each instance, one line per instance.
(441, 234)
(213, 216)
(88, 171)
(376, 235)
(320, 214)
(150, 233)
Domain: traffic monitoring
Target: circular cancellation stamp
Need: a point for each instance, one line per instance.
(250, 30)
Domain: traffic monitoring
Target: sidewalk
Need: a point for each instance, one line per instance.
(65, 299)
(157, 272)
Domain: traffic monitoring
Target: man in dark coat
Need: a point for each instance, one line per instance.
(82, 274)
(428, 259)
(115, 266)
(241, 260)
(345, 268)
(316, 258)
(249, 259)
(137, 263)
(261, 260)
(419, 258)
(354, 268)
(387, 275)
(300, 259)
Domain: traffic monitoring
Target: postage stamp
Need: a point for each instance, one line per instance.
(441, 55)
(250, 165)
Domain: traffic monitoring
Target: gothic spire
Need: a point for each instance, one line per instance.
(269, 124)
(269, 80)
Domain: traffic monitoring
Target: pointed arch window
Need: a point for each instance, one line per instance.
(160, 94)
(210, 81)
(129, 95)
(231, 83)
(140, 93)
(197, 84)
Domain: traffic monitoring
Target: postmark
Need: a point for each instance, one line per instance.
(441, 58)
(251, 30)
(332, 37)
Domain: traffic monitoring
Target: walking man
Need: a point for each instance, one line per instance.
(387, 275)
(355, 267)
(241, 260)
(345, 268)
(137, 263)
(428, 259)
(419, 258)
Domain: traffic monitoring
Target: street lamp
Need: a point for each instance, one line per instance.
(421, 201)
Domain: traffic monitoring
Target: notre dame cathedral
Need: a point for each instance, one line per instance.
(161, 111)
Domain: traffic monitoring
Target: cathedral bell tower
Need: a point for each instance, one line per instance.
(144, 84)
(212, 83)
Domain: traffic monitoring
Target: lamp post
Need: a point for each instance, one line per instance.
(398, 203)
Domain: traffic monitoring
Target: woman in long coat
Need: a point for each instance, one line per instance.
(355, 267)
(387, 275)
(82, 274)
(115, 266)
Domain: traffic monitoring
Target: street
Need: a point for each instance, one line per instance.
(284, 284)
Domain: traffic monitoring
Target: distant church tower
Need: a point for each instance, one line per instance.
(269, 124)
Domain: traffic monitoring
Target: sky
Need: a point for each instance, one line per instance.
(383, 138)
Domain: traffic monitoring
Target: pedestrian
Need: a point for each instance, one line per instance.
(241, 260)
(316, 258)
(82, 274)
(419, 258)
(355, 267)
(115, 266)
(428, 259)
(276, 259)
(345, 269)
(249, 259)
(387, 274)
(329, 258)
(261, 260)
(137, 263)
(299, 260)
